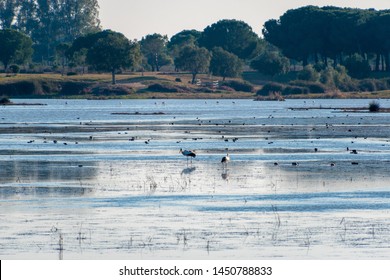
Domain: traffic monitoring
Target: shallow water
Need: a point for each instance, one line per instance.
(83, 179)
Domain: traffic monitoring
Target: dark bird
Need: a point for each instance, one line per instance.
(188, 154)
(354, 152)
(295, 163)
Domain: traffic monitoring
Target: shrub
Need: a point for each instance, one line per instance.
(308, 74)
(290, 90)
(271, 63)
(4, 101)
(313, 87)
(74, 88)
(367, 85)
(337, 78)
(270, 88)
(71, 74)
(162, 88)
(386, 82)
(14, 69)
(109, 90)
(374, 106)
(178, 80)
(239, 86)
(226, 88)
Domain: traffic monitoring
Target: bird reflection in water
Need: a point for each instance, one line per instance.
(225, 175)
(188, 170)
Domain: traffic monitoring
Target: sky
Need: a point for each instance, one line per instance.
(138, 18)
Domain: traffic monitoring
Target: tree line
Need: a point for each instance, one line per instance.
(67, 33)
(50, 22)
(330, 34)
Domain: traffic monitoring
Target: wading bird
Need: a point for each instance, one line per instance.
(225, 159)
(188, 154)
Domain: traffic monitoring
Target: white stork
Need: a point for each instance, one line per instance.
(225, 159)
(188, 154)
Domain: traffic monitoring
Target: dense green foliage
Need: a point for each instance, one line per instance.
(225, 64)
(271, 63)
(313, 34)
(15, 47)
(193, 59)
(233, 36)
(50, 23)
(109, 51)
(154, 49)
(307, 50)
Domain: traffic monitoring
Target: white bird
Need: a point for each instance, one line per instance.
(188, 153)
(225, 159)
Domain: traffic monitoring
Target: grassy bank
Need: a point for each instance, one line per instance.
(98, 86)
(150, 85)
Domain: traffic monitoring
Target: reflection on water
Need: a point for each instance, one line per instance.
(45, 178)
(118, 180)
(9, 192)
(225, 175)
(45, 171)
(188, 170)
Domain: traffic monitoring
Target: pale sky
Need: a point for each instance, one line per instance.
(138, 18)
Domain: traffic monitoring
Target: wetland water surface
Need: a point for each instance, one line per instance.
(83, 179)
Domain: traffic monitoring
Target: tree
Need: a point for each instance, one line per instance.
(61, 54)
(184, 38)
(7, 13)
(233, 36)
(193, 59)
(154, 48)
(357, 67)
(181, 40)
(271, 63)
(15, 47)
(112, 53)
(225, 64)
(26, 20)
(50, 22)
(312, 33)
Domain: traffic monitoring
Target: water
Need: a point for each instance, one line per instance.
(84, 179)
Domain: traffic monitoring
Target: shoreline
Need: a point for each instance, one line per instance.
(148, 86)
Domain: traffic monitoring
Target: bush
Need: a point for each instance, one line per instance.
(374, 106)
(337, 78)
(74, 88)
(71, 74)
(239, 86)
(373, 85)
(108, 90)
(367, 85)
(271, 63)
(4, 101)
(271, 88)
(290, 90)
(178, 80)
(309, 74)
(15, 69)
(312, 87)
(162, 88)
